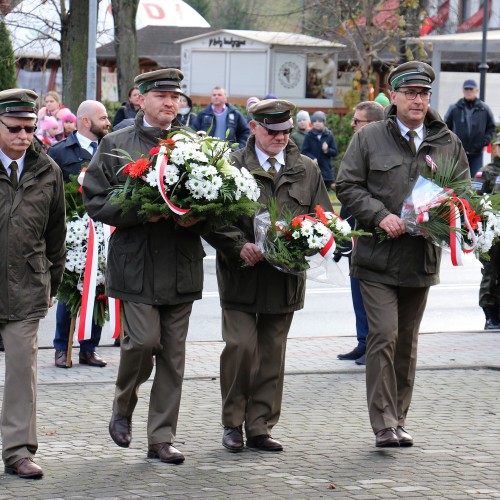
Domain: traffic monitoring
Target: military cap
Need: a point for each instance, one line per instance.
(274, 114)
(168, 79)
(497, 140)
(18, 102)
(411, 74)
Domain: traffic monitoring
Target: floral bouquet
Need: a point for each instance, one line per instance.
(305, 242)
(72, 288)
(450, 213)
(190, 176)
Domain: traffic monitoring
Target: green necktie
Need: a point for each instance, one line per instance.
(411, 134)
(273, 162)
(13, 174)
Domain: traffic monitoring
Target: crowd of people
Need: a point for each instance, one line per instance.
(155, 265)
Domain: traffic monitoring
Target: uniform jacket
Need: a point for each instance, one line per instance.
(262, 288)
(376, 174)
(70, 156)
(482, 126)
(156, 263)
(312, 147)
(487, 180)
(32, 237)
(239, 130)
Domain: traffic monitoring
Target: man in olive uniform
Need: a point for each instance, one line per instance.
(257, 300)
(154, 266)
(379, 169)
(32, 259)
(487, 180)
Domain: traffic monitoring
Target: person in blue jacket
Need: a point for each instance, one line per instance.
(320, 145)
(219, 117)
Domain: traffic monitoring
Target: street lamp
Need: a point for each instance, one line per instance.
(483, 67)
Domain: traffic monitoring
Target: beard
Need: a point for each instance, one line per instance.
(99, 132)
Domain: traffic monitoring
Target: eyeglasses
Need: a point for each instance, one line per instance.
(356, 121)
(17, 128)
(411, 95)
(276, 132)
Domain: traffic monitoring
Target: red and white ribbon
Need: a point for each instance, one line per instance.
(161, 165)
(431, 163)
(113, 304)
(89, 285)
(455, 236)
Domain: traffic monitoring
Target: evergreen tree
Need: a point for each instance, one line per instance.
(8, 79)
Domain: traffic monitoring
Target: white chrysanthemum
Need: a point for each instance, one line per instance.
(321, 229)
(306, 228)
(152, 178)
(315, 241)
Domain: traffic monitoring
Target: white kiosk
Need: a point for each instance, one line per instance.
(256, 63)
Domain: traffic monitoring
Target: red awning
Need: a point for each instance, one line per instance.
(476, 20)
(437, 20)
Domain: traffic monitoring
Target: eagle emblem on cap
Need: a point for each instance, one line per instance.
(420, 68)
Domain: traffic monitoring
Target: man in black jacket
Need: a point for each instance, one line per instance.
(472, 120)
(71, 154)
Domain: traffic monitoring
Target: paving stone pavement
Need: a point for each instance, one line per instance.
(329, 448)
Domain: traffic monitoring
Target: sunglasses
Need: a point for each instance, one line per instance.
(17, 128)
(276, 132)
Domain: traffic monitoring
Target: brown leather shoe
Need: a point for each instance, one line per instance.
(264, 443)
(25, 468)
(120, 430)
(91, 359)
(61, 359)
(386, 438)
(232, 439)
(404, 438)
(166, 453)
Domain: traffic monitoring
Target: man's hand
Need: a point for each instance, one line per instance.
(393, 226)
(251, 254)
(325, 147)
(52, 301)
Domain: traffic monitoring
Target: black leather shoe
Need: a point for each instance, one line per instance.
(353, 355)
(491, 325)
(264, 443)
(386, 438)
(2, 348)
(404, 438)
(232, 439)
(166, 453)
(25, 468)
(91, 359)
(61, 360)
(120, 430)
(361, 360)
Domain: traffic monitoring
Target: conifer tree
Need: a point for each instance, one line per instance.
(8, 79)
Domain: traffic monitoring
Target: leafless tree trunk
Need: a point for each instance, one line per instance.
(74, 51)
(127, 61)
